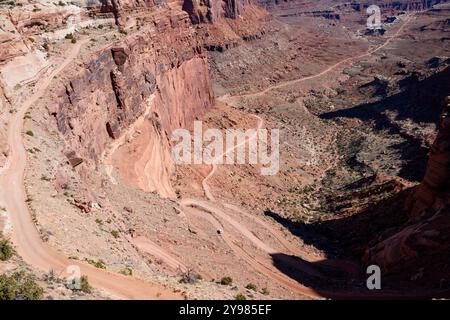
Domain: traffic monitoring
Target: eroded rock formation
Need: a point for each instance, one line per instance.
(423, 243)
(159, 74)
(202, 11)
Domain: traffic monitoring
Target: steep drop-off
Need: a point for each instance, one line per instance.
(161, 70)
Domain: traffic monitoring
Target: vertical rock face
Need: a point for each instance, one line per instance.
(436, 183)
(424, 241)
(160, 76)
(203, 11)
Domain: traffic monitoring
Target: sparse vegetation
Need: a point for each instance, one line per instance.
(127, 271)
(190, 276)
(265, 291)
(45, 178)
(115, 234)
(19, 286)
(6, 249)
(98, 264)
(240, 296)
(84, 285)
(30, 133)
(226, 281)
(46, 46)
(251, 286)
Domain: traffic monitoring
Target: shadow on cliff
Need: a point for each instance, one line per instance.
(348, 236)
(344, 240)
(420, 102)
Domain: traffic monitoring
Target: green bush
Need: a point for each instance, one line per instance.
(226, 281)
(98, 264)
(6, 250)
(115, 234)
(127, 271)
(84, 285)
(251, 286)
(240, 296)
(19, 286)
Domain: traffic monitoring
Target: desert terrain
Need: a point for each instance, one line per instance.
(92, 91)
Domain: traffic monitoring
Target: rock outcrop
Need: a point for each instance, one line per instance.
(423, 242)
(204, 11)
(158, 75)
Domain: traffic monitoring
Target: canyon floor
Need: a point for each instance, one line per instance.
(357, 114)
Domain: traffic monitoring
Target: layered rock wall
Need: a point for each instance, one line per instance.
(203, 11)
(161, 72)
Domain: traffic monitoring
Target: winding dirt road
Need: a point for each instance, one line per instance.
(221, 220)
(26, 237)
(38, 254)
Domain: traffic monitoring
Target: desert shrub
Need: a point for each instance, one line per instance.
(46, 46)
(127, 271)
(84, 285)
(265, 291)
(226, 281)
(6, 249)
(190, 276)
(98, 264)
(240, 296)
(115, 233)
(19, 286)
(251, 286)
(69, 36)
(30, 133)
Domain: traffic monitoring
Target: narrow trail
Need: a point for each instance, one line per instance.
(25, 235)
(149, 246)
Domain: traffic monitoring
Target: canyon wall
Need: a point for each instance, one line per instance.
(160, 73)
(204, 11)
(423, 242)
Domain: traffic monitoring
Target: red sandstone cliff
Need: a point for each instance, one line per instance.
(160, 73)
(202, 11)
(423, 242)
